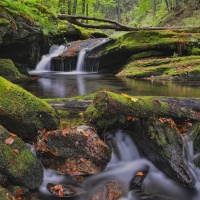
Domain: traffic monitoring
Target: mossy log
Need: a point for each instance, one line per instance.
(127, 106)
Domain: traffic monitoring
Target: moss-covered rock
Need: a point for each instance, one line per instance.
(10, 72)
(167, 42)
(5, 194)
(23, 113)
(159, 141)
(178, 68)
(17, 162)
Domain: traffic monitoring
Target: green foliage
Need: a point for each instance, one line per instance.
(34, 12)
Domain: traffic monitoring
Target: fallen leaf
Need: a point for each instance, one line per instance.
(19, 192)
(44, 130)
(9, 140)
(129, 97)
(85, 134)
(12, 134)
(140, 174)
(65, 132)
(16, 151)
(58, 188)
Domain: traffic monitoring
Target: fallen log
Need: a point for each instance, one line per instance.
(125, 105)
(111, 24)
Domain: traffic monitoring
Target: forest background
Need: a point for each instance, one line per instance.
(133, 13)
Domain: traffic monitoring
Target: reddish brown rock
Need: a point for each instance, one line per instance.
(111, 191)
(75, 151)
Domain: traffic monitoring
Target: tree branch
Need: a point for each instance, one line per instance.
(113, 24)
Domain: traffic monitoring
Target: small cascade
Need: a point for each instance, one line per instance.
(89, 64)
(80, 61)
(45, 63)
(124, 165)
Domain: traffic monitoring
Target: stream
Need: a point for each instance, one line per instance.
(125, 161)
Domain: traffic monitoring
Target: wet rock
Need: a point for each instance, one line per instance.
(75, 151)
(19, 40)
(17, 164)
(110, 191)
(23, 113)
(59, 190)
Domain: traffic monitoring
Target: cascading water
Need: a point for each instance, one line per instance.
(45, 63)
(124, 165)
(80, 66)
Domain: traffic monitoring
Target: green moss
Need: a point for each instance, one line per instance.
(4, 21)
(161, 67)
(10, 72)
(147, 40)
(82, 97)
(195, 51)
(4, 194)
(21, 112)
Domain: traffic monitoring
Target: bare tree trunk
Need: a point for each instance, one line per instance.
(176, 4)
(74, 7)
(87, 12)
(69, 4)
(154, 9)
(168, 3)
(83, 7)
(118, 11)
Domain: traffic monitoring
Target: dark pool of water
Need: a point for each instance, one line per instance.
(52, 85)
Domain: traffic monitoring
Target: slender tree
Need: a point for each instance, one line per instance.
(74, 7)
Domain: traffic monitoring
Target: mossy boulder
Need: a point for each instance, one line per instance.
(5, 194)
(159, 141)
(10, 72)
(23, 113)
(17, 162)
(167, 42)
(176, 69)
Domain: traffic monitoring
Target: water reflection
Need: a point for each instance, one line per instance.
(52, 85)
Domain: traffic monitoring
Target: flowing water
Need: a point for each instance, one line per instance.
(124, 164)
(45, 62)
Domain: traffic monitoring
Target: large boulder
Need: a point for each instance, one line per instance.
(17, 163)
(10, 72)
(76, 151)
(20, 40)
(23, 113)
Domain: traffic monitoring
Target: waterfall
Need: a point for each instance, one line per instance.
(81, 59)
(45, 62)
(81, 64)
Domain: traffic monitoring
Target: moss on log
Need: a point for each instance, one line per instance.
(109, 108)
